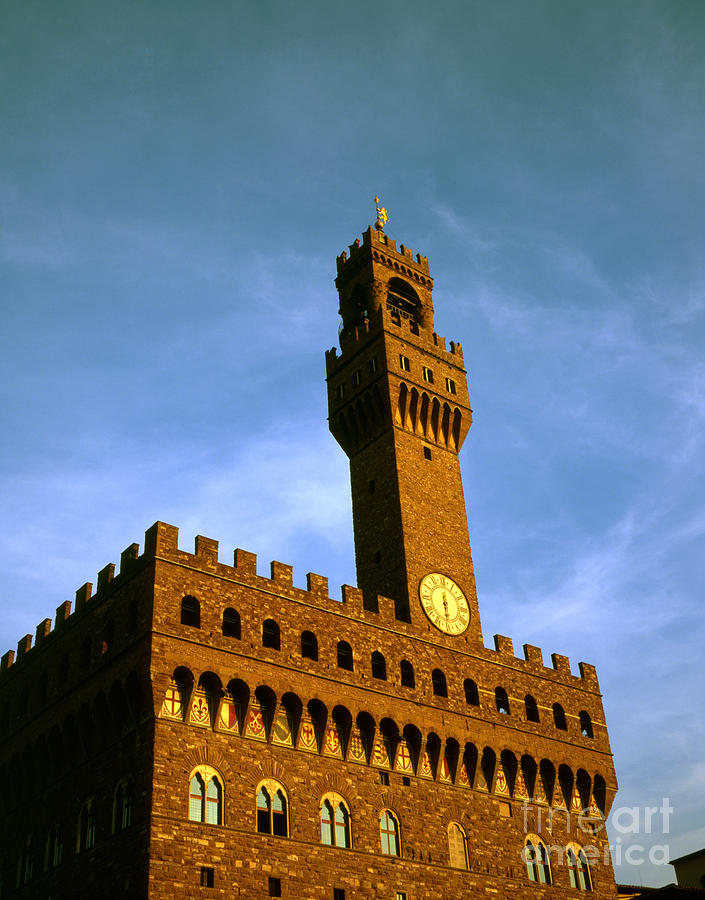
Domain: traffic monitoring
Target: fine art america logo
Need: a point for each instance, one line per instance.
(624, 820)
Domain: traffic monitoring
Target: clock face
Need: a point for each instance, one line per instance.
(444, 603)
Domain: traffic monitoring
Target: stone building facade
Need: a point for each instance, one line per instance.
(196, 729)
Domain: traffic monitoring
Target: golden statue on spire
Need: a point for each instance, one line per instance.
(381, 216)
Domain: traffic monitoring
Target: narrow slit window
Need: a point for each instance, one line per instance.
(345, 656)
(559, 719)
(438, 681)
(270, 634)
(191, 612)
(379, 666)
(407, 674)
(532, 710)
(309, 645)
(586, 725)
(472, 695)
(501, 701)
(231, 623)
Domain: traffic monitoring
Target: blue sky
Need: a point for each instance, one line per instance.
(176, 181)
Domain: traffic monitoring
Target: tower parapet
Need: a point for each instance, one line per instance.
(385, 248)
(399, 407)
(376, 275)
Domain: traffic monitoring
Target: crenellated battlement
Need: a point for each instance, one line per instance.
(532, 660)
(85, 600)
(162, 543)
(383, 249)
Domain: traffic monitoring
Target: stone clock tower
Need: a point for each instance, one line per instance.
(399, 407)
(182, 711)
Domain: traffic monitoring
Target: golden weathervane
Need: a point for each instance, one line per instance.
(381, 215)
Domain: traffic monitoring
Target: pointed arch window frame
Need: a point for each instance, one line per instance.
(389, 833)
(537, 862)
(578, 868)
(272, 808)
(336, 821)
(206, 798)
(457, 846)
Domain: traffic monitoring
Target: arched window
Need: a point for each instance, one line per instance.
(206, 796)
(231, 623)
(26, 870)
(122, 806)
(407, 674)
(559, 717)
(532, 709)
(502, 701)
(402, 299)
(335, 821)
(309, 645)
(389, 834)
(438, 680)
(191, 612)
(472, 695)
(86, 827)
(272, 809)
(55, 847)
(379, 666)
(270, 634)
(345, 656)
(536, 859)
(457, 846)
(586, 724)
(578, 869)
